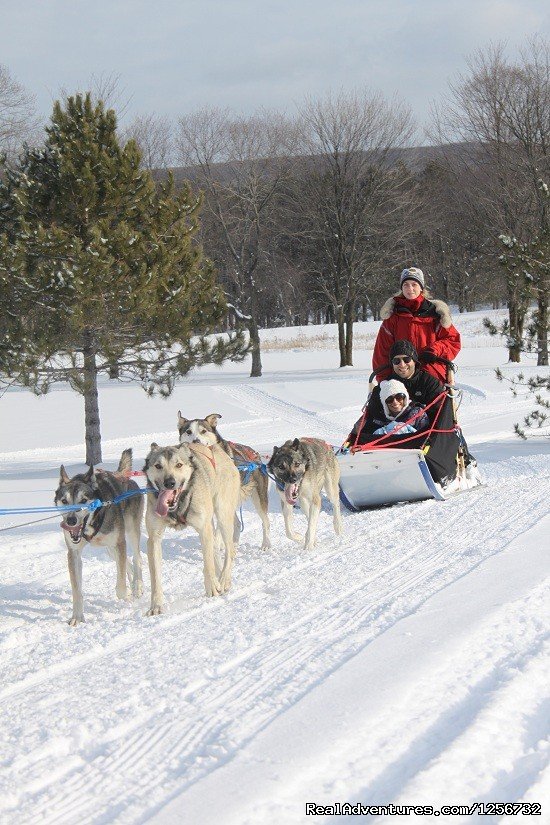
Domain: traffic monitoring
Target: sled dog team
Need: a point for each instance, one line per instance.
(195, 483)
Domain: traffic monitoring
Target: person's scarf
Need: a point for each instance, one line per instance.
(412, 304)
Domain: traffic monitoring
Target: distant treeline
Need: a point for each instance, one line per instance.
(311, 217)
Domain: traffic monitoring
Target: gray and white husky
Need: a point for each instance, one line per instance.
(192, 484)
(107, 526)
(254, 485)
(302, 467)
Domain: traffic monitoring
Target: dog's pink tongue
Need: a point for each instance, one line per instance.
(162, 502)
(291, 493)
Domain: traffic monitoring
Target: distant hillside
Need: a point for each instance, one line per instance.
(416, 158)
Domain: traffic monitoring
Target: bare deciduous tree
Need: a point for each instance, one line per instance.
(500, 111)
(153, 135)
(18, 121)
(241, 164)
(351, 197)
(526, 112)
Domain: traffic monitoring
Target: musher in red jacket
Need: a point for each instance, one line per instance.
(427, 324)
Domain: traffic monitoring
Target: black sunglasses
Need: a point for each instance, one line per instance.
(399, 396)
(405, 358)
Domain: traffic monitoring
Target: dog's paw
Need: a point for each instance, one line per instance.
(123, 593)
(225, 581)
(155, 610)
(266, 544)
(75, 619)
(212, 587)
(310, 542)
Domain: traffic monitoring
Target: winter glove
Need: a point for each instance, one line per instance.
(427, 356)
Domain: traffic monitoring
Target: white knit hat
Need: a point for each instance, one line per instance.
(412, 273)
(389, 388)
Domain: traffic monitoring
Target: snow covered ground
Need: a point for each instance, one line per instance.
(406, 662)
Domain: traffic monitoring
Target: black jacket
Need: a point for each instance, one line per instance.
(422, 389)
(443, 445)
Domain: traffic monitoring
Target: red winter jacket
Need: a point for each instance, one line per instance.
(426, 324)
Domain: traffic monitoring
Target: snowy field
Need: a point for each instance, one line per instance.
(406, 662)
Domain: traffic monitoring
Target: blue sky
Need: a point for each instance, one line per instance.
(173, 57)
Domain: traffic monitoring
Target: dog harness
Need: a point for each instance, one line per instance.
(181, 518)
(325, 444)
(96, 528)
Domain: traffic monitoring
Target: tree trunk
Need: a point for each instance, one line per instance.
(516, 329)
(349, 335)
(446, 290)
(256, 369)
(542, 328)
(341, 336)
(91, 403)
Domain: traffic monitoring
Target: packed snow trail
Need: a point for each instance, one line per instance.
(235, 663)
(128, 718)
(438, 689)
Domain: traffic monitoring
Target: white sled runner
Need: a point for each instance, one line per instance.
(374, 478)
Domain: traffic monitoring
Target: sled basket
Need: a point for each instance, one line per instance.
(376, 478)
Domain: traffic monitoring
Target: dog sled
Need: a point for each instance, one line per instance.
(392, 469)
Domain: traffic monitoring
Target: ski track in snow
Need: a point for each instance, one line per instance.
(236, 662)
(260, 403)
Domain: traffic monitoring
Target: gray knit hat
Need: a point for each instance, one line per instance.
(412, 273)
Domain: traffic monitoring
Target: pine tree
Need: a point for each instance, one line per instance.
(538, 387)
(99, 267)
(527, 267)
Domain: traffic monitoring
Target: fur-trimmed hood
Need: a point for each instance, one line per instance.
(440, 309)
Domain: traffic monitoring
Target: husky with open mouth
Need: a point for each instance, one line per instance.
(192, 484)
(109, 526)
(254, 484)
(302, 468)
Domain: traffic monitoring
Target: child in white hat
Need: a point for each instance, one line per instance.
(398, 409)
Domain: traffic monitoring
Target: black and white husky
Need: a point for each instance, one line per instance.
(107, 526)
(254, 484)
(302, 467)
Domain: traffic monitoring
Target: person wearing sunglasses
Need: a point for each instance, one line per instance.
(414, 316)
(399, 410)
(421, 388)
